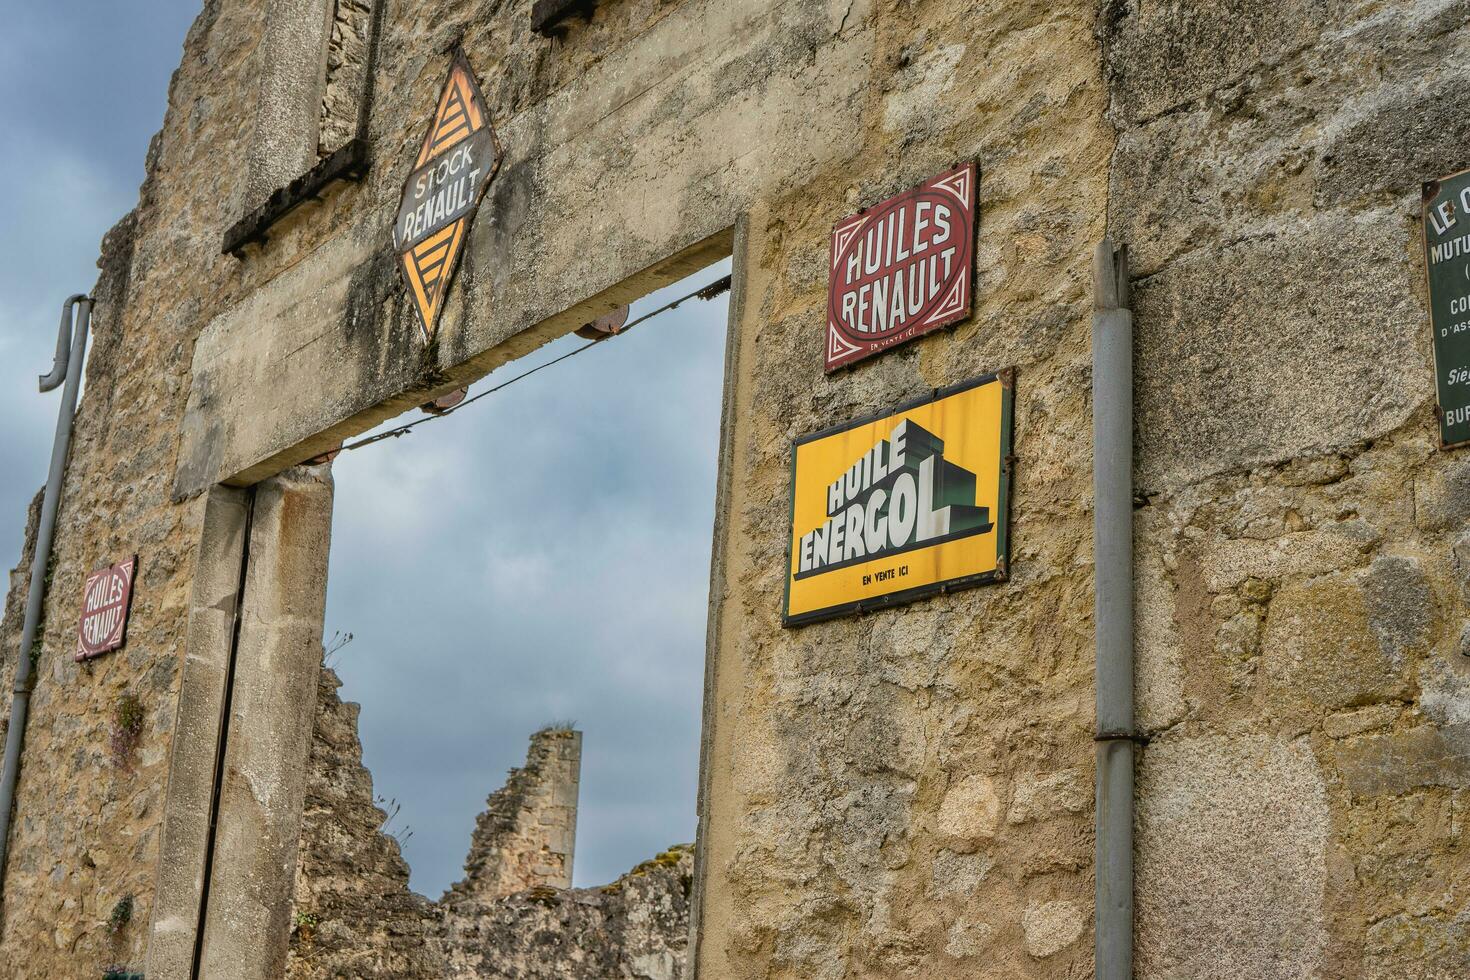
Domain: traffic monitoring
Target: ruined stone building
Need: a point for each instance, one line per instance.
(905, 790)
(514, 915)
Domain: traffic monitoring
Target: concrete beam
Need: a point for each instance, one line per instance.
(333, 349)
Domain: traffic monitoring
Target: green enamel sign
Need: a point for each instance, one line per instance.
(1447, 265)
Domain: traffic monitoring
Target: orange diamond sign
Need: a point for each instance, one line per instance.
(459, 156)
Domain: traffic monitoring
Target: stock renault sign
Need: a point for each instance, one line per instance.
(458, 157)
(893, 508)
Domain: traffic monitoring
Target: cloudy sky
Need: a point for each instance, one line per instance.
(541, 557)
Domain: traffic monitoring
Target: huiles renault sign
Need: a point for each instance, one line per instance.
(106, 597)
(901, 268)
(903, 505)
(457, 159)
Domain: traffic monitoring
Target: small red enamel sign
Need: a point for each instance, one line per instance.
(901, 268)
(105, 601)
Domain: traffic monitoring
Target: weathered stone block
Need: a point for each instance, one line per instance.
(1228, 563)
(1460, 555)
(959, 874)
(1400, 605)
(970, 813)
(1442, 498)
(1405, 134)
(1051, 927)
(1444, 683)
(1231, 859)
(1430, 946)
(1318, 648)
(1429, 755)
(1346, 723)
(1295, 136)
(1242, 359)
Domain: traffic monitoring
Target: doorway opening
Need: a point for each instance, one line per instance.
(538, 563)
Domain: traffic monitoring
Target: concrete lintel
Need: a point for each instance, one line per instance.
(386, 386)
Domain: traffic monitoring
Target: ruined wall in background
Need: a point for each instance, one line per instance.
(1304, 553)
(524, 837)
(354, 915)
(349, 44)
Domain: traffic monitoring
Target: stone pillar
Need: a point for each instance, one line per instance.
(526, 835)
(278, 658)
(208, 640)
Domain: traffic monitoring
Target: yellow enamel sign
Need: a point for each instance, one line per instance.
(890, 509)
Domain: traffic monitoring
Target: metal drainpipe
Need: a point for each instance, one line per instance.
(70, 351)
(1112, 517)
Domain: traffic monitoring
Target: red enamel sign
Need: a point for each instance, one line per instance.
(901, 268)
(105, 601)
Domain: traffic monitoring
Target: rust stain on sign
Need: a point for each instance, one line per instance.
(106, 597)
(902, 268)
(456, 162)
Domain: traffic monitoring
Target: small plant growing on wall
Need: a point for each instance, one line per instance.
(122, 914)
(306, 924)
(127, 727)
(332, 652)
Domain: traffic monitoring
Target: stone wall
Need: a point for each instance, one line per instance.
(906, 792)
(1302, 661)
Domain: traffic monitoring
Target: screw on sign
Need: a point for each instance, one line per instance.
(105, 601)
(902, 268)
